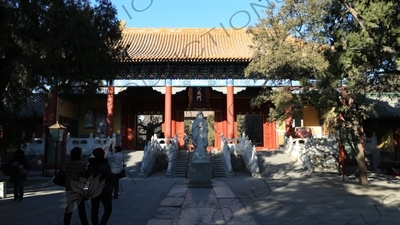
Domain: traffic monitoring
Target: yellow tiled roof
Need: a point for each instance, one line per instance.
(187, 44)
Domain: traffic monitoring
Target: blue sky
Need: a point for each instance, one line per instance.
(190, 13)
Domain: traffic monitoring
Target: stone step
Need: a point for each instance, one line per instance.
(180, 169)
(218, 165)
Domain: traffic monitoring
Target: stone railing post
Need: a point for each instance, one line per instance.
(173, 151)
(227, 156)
(222, 141)
(68, 144)
(114, 140)
(90, 142)
(254, 161)
(290, 145)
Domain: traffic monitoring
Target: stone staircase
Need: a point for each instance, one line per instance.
(180, 169)
(217, 165)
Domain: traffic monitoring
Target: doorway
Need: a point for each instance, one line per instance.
(252, 126)
(147, 126)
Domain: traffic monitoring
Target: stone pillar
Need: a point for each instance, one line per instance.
(230, 109)
(110, 111)
(168, 108)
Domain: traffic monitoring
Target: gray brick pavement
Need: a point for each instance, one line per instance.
(284, 195)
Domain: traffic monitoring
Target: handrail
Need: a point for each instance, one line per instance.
(212, 165)
(187, 164)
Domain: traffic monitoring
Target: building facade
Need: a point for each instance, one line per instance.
(172, 72)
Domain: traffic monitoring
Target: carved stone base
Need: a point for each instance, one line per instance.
(200, 175)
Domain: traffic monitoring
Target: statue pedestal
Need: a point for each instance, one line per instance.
(200, 174)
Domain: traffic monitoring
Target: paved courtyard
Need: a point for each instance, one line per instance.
(284, 195)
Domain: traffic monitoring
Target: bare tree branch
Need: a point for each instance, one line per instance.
(355, 14)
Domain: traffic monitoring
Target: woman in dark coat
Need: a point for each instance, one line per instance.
(99, 169)
(75, 173)
(19, 168)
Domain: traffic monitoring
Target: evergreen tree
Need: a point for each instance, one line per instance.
(338, 50)
(67, 43)
(70, 44)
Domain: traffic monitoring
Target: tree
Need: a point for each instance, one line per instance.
(59, 42)
(65, 43)
(211, 130)
(338, 51)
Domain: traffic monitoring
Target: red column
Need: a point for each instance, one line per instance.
(219, 129)
(230, 109)
(173, 129)
(168, 109)
(289, 123)
(110, 111)
(342, 157)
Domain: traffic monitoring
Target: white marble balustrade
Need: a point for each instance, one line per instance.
(322, 153)
(226, 153)
(245, 148)
(36, 145)
(157, 146)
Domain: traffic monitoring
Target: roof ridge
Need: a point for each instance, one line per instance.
(190, 44)
(183, 30)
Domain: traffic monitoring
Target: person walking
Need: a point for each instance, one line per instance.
(75, 173)
(116, 161)
(99, 168)
(19, 170)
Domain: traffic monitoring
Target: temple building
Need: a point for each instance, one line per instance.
(172, 73)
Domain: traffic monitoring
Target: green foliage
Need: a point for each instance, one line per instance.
(251, 126)
(324, 45)
(211, 130)
(188, 128)
(63, 42)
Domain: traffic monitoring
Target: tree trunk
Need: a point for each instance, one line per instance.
(362, 166)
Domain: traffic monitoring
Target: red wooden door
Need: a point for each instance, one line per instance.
(269, 135)
(180, 128)
(218, 126)
(129, 132)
